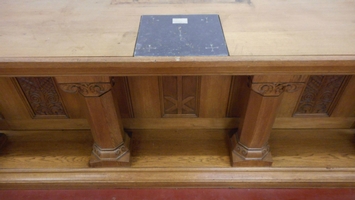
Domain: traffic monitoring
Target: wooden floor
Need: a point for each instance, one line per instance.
(50, 152)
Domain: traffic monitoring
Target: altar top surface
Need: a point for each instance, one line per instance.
(44, 28)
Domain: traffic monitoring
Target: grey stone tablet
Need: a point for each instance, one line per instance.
(180, 35)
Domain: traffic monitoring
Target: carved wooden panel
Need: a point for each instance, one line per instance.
(320, 95)
(42, 96)
(180, 96)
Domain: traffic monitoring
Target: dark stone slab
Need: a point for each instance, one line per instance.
(180, 35)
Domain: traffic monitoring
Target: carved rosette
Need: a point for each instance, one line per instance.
(275, 89)
(87, 89)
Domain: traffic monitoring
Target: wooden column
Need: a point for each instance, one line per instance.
(112, 144)
(249, 146)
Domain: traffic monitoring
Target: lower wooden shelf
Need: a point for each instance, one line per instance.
(178, 158)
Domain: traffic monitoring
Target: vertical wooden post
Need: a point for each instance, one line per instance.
(112, 144)
(249, 146)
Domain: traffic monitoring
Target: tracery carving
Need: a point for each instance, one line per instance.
(320, 94)
(42, 95)
(87, 89)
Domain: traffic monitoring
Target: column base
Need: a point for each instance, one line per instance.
(242, 156)
(3, 140)
(117, 157)
(238, 161)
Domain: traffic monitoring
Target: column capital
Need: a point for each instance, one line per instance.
(87, 89)
(274, 89)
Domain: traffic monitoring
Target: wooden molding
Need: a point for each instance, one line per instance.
(182, 123)
(128, 66)
(243, 156)
(175, 177)
(116, 157)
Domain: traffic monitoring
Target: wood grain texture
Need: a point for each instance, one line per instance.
(186, 148)
(145, 96)
(346, 106)
(317, 148)
(12, 106)
(214, 96)
(123, 96)
(27, 163)
(260, 28)
(47, 149)
(138, 66)
(237, 98)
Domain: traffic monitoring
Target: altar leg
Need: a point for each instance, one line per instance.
(112, 144)
(249, 146)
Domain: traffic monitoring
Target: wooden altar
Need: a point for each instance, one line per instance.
(79, 111)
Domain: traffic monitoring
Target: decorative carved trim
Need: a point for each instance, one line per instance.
(86, 89)
(180, 96)
(116, 157)
(320, 95)
(42, 96)
(110, 154)
(242, 156)
(274, 89)
(270, 89)
(251, 153)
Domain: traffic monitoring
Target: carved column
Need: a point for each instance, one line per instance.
(249, 146)
(112, 144)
